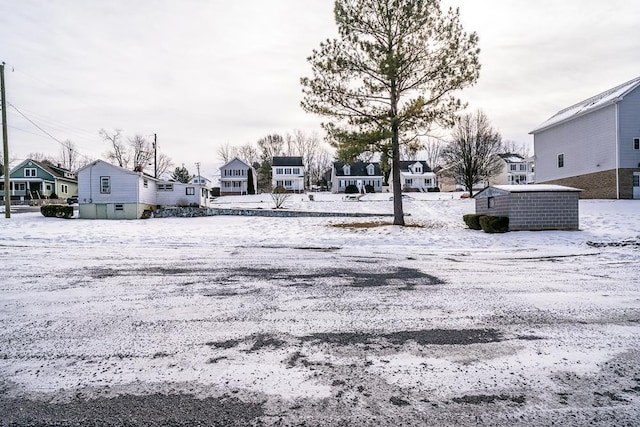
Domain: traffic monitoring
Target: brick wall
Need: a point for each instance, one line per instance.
(626, 182)
(551, 210)
(599, 185)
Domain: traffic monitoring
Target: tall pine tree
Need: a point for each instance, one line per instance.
(389, 76)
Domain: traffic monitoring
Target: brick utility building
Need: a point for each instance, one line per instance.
(531, 207)
(594, 145)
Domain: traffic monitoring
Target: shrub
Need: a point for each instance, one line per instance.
(472, 221)
(351, 189)
(369, 188)
(494, 224)
(53, 196)
(57, 211)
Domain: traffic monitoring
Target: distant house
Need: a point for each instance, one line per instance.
(416, 175)
(531, 207)
(34, 180)
(517, 170)
(288, 172)
(106, 191)
(360, 174)
(594, 145)
(235, 177)
(201, 180)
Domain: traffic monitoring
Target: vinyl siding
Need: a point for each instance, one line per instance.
(588, 144)
(125, 186)
(629, 128)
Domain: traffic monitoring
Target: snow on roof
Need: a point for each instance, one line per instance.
(534, 188)
(601, 100)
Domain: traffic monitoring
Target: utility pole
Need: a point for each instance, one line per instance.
(5, 147)
(155, 155)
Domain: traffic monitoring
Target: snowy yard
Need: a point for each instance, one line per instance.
(294, 321)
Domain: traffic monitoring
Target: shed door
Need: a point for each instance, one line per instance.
(636, 185)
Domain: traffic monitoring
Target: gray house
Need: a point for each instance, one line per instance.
(594, 145)
(531, 207)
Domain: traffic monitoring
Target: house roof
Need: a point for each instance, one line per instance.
(55, 171)
(286, 161)
(357, 168)
(128, 171)
(234, 160)
(594, 103)
(404, 165)
(530, 188)
(512, 158)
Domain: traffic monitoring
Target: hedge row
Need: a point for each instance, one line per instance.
(57, 211)
(487, 223)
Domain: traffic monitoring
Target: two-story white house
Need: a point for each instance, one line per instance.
(288, 173)
(361, 174)
(416, 175)
(517, 170)
(594, 145)
(107, 191)
(237, 178)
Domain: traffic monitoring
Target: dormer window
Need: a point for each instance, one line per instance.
(346, 169)
(417, 168)
(370, 169)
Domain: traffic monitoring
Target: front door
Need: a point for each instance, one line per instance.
(636, 185)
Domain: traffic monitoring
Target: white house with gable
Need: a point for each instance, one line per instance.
(235, 177)
(416, 175)
(106, 191)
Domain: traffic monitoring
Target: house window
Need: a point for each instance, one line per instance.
(370, 169)
(288, 183)
(636, 180)
(287, 171)
(346, 169)
(105, 185)
(190, 191)
(636, 143)
(20, 186)
(523, 167)
(279, 171)
(145, 183)
(513, 167)
(408, 181)
(30, 172)
(48, 187)
(561, 160)
(296, 171)
(63, 187)
(119, 207)
(490, 202)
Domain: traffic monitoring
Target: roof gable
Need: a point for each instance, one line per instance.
(235, 160)
(589, 105)
(357, 168)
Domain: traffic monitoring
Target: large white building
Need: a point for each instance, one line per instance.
(288, 173)
(594, 145)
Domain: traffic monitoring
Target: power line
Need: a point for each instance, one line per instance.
(65, 145)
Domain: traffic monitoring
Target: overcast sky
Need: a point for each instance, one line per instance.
(201, 73)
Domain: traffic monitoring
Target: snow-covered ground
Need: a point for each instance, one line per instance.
(317, 322)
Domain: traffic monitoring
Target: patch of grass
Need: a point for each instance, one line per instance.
(372, 224)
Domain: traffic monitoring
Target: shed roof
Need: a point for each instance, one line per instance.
(596, 102)
(530, 188)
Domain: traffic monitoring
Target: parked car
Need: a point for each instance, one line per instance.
(72, 200)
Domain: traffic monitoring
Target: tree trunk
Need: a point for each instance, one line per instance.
(398, 213)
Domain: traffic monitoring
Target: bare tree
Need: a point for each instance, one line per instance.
(41, 157)
(513, 147)
(226, 152)
(118, 153)
(163, 164)
(248, 153)
(270, 146)
(69, 156)
(472, 155)
(142, 151)
(321, 163)
(432, 149)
